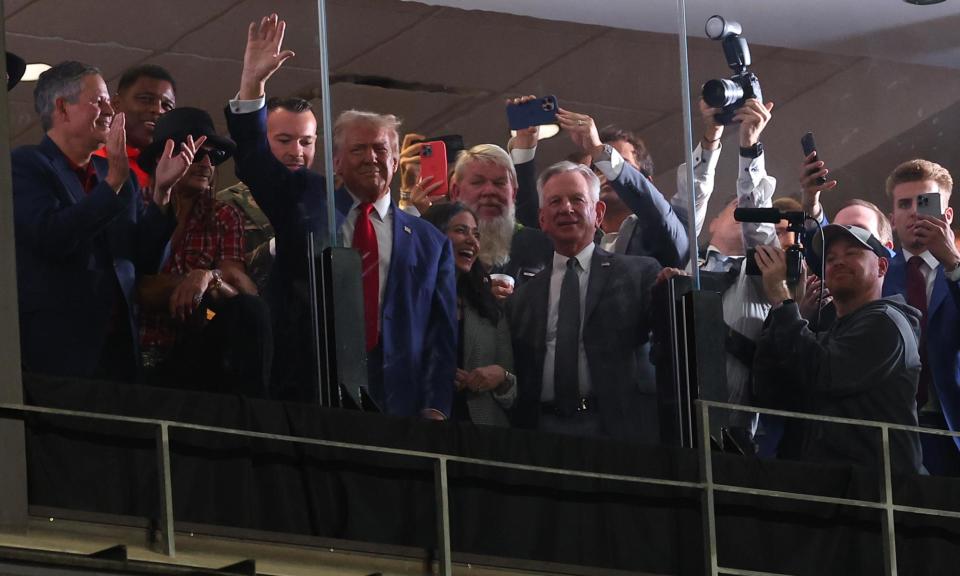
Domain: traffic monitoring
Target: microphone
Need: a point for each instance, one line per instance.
(771, 215)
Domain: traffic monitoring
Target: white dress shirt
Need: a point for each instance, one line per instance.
(382, 218)
(553, 313)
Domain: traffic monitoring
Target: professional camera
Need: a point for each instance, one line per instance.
(729, 95)
(794, 253)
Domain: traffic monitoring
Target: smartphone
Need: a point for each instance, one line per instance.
(533, 113)
(433, 162)
(809, 147)
(453, 142)
(751, 263)
(929, 204)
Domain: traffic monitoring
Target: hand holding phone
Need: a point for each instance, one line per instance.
(810, 147)
(433, 164)
(535, 112)
(928, 204)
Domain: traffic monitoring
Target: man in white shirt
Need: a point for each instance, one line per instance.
(579, 327)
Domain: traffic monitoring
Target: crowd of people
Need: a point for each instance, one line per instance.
(522, 297)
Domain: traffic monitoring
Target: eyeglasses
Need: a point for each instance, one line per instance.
(217, 156)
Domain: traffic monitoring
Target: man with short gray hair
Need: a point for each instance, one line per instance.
(579, 327)
(83, 232)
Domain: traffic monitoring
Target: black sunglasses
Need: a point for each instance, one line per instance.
(217, 156)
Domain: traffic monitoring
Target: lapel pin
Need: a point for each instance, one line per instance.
(604, 264)
(407, 230)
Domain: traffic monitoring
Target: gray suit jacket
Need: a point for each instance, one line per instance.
(615, 332)
(485, 344)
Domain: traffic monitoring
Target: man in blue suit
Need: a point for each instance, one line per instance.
(926, 271)
(408, 274)
(82, 232)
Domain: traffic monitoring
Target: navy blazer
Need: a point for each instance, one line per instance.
(418, 315)
(615, 332)
(943, 336)
(73, 250)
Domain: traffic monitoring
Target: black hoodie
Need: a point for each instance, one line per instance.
(865, 367)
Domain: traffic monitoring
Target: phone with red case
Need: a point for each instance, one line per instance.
(433, 162)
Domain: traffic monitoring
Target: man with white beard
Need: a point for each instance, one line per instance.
(484, 178)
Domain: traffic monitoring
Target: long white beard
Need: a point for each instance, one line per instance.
(495, 238)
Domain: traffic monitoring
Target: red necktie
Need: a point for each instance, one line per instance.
(365, 242)
(917, 297)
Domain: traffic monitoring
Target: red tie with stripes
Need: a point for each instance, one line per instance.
(365, 242)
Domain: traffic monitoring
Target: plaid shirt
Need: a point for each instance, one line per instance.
(213, 233)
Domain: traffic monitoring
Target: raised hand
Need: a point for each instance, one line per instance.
(753, 117)
(170, 168)
(711, 130)
(582, 130)
(937, 236)
(262, 56)
(773, 265)
(811, 170)
(119, 164)
(527, 138)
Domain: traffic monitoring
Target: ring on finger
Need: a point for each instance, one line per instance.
(579, 122)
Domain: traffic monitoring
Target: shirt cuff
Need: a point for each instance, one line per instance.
(611, 168)
(953, 275)
(238, 106)
(522, 155)
(706, 158)
(753, 169)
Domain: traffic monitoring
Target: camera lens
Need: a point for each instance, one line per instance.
(547, 106)
(427, 151)
(720, 93)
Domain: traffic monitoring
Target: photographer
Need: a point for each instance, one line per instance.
(865, 367)
(744, 303)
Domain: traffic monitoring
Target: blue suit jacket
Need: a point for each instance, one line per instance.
(418, 315)
(73, 249)
(943, 336)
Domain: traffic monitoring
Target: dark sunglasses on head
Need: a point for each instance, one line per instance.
(217, 156)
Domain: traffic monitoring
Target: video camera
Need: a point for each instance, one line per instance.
(729, 95)
(795, 221)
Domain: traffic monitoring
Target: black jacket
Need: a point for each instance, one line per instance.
(865, 367)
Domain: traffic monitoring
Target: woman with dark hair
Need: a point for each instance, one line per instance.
(485, 386)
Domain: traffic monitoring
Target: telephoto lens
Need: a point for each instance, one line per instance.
(721, 92)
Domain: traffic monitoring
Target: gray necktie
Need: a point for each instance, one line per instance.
(567, 357)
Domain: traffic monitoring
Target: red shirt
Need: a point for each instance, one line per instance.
(213, 233)
(143, 179)
(86, 174)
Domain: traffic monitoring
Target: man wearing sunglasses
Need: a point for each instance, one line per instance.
(204, 327)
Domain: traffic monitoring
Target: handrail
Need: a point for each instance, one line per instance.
(706, 483)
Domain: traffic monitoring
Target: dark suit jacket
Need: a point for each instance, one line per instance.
(943, 335)
(616, 327)
(530, 252)
(73, 250)
(418, 316)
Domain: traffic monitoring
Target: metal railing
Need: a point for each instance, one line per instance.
(706, 484)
